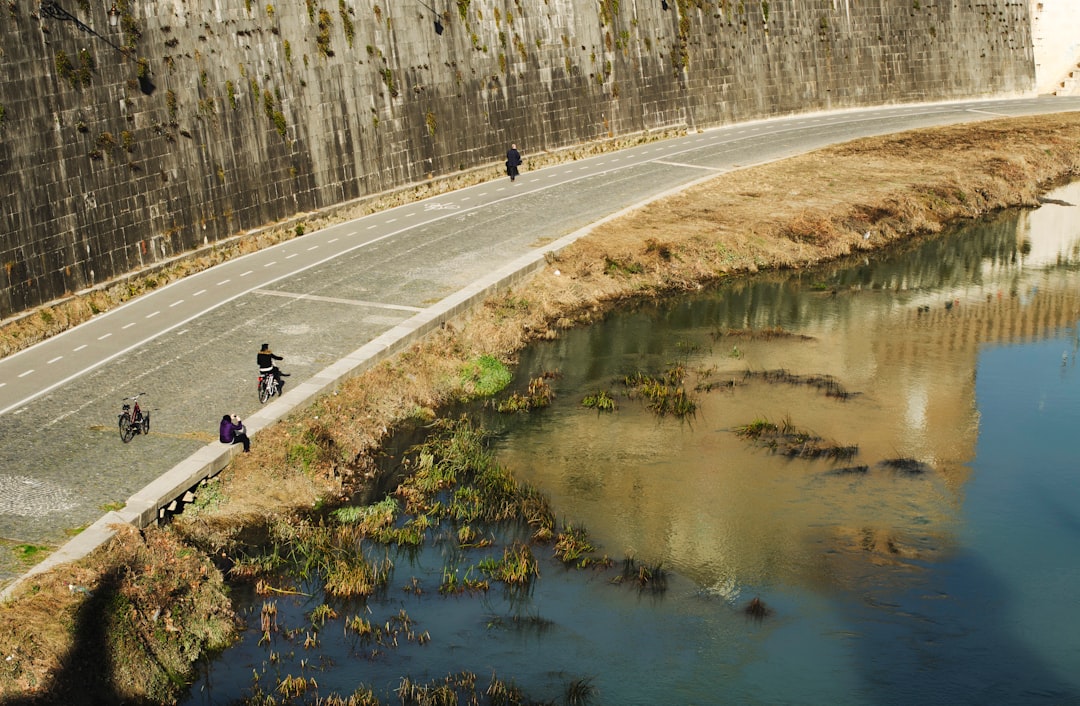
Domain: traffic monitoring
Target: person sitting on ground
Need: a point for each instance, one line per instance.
(265, 360)
(232, 431)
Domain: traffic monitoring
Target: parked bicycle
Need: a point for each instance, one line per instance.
(133, 420)
(267, 386)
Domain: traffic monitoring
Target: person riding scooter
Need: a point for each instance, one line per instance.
(265, 360)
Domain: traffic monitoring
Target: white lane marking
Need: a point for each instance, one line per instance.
(271, 263)
(466, 198)
(334, 240)
(150, 316)
(201, 291)
(181, 332)
(691, 166)
(288, 257)
(127, 326)
(390, 220)
(22, 375)
(102, 338)
(372, 226)
(313, 247)
(247, 273)
(76, 350)
(59, 357)
(351, 232)
(178, 302)
(2, 384)
(336, 300)
(224, 281)
(410, 214)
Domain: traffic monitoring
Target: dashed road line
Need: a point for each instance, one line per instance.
(178, 302)
(59, 357)
(201, 291)
(22, 375)
(127, 326)
(102, 338)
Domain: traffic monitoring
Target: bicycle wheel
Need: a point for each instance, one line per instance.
(264, 391)
(146, 423)
(127, 430)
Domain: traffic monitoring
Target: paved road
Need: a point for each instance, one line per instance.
(191, 345)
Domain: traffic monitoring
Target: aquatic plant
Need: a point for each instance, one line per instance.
(451, 583)
(906, 465)
(518, 565)
(601, 400)
(580, 692)
(455, 476)
(321, 614)
(539, 394)
(665, 394)
(824, 383)
(789, 441)
(646, 578)
(757, 610)
(573, 546)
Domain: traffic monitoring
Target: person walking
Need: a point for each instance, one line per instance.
(232, 431)
(513, 161)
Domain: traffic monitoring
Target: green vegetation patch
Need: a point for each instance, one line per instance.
(485, 376)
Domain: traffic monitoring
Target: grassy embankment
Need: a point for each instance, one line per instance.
(156, 598)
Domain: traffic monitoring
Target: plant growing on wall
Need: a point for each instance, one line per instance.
(431, 123)
(230, 91)
(346, 21)
(170, 103)
(388, 79)
(463, 9)
(3, 113)
(322, 39)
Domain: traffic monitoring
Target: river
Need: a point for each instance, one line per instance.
(936, 563)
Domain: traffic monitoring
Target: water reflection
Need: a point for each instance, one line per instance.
(900, 333)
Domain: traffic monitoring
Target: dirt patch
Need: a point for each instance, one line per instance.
(800, 212)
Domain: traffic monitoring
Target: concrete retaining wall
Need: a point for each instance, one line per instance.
(262, 109)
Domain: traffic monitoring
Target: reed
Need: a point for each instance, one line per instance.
(518, 566)
(601, 401)
(573, 546)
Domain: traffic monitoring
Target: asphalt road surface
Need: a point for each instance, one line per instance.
(191, 345)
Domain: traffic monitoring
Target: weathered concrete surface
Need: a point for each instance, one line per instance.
(263, 110)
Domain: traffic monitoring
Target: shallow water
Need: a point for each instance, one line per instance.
(952, 584)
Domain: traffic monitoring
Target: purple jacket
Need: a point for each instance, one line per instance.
(227, 430)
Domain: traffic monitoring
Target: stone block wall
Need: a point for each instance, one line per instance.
(261, 109)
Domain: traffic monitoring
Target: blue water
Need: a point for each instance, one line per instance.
(953, 586)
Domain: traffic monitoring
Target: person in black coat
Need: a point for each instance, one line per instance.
(265, 360)
(513, 161)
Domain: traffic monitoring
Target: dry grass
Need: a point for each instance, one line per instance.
(789, 214)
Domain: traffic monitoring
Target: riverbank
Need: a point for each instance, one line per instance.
(831, 203)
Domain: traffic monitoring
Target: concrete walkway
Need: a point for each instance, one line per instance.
(334, 303)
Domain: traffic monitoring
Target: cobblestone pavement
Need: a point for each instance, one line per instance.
(62, 463)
